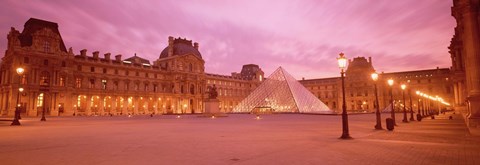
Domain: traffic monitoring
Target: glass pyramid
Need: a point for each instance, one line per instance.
(280, 92)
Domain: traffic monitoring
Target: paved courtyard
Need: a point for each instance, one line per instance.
(236, 139)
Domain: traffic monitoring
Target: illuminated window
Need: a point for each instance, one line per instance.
(104, 84)
(260, 78)
(24, 79)
(62, 81)
(40, 100)
(44, 79)
(78, 83)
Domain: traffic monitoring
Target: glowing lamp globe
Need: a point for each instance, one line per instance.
(390, 82)
(342, 61)
(20, 70)
(374, 76)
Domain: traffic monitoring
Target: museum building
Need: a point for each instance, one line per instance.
(57, 80)
(63, 83)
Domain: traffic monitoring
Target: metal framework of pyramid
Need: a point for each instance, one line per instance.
(280, 92)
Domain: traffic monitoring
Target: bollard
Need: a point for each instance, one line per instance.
(419, 117)
(390, 124)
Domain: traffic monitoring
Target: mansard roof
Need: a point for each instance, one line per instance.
(33, 25)
(137, 60)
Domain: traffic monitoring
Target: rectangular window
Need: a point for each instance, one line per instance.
(116, 71)
(62, 82)
(92, 83)
(115, 85)
(78, 82)
(24, 79)
(25, 60)
(92, 69)
(104, 84)
(45, 62)
(104, 70)
(79, 68)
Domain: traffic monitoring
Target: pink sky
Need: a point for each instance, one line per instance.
(304, 37)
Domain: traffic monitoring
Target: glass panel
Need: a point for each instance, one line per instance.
(280, 92)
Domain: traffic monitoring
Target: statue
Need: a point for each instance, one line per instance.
(212, 94)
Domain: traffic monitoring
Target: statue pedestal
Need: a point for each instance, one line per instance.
(212, 107)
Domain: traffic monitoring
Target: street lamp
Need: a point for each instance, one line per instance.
(411, 107)
(342, 63)
(16, 117)
(405, 120)
(378, 126)
(419, 114)
(390, 83)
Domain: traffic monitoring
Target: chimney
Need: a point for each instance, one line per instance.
(195, 45)
(107, 56)
(95, 55)
(83, 52)
(370, 60)
(118, 58)
(170, 46)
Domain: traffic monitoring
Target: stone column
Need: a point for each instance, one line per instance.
(155, 105)
(125, 105)
(88, 109)
(135, 104)
(113, 105)
(101, 106)
(471, 42)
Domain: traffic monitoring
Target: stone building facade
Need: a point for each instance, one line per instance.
(359, 87)
(465, 54)
(64, 83)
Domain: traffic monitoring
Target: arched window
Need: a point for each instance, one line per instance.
(44, 78)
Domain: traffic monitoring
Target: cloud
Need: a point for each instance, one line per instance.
(304, 37)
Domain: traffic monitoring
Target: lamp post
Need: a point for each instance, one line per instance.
(390, 83)
(342, 63)
(378, 126)
(419, 114)
(16, 116)
(411, 107)
(405, 120)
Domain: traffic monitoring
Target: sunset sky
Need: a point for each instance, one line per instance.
(304, 37)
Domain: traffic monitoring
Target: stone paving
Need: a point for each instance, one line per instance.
(236, 139)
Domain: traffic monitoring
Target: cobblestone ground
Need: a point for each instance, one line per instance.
(236, 139)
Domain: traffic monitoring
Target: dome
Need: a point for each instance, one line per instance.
(180, 47)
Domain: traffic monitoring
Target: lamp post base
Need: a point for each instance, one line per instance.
(378, 127)
(345, 136)
(15, 122)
